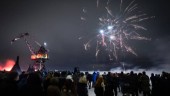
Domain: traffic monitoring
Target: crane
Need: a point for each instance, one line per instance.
(39, 56)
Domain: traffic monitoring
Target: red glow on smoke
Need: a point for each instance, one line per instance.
(7, 65)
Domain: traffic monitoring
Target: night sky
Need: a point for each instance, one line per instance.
(58, 23)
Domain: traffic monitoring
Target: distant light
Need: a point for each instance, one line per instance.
(110, 27)
(101, 31)
(45, 44)
(112, 37)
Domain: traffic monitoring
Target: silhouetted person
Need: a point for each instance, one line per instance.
(145, 84)
(99, 87)
(9, 85)
(34, 85)
(89, 79)
(53, 88)
(115, 84)
(82, 86)
(109, 85)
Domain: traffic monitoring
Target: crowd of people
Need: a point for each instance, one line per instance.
(65, 83)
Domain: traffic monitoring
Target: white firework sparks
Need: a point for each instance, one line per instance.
(116, 30)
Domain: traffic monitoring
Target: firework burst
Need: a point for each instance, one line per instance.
(117, 29)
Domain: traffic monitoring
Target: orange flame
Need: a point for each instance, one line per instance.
(7, 65)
